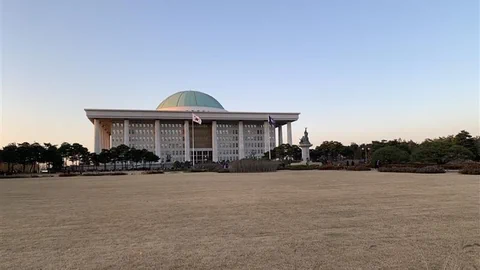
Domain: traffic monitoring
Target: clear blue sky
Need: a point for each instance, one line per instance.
(356, 70)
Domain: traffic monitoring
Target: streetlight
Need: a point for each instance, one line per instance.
(366, 153)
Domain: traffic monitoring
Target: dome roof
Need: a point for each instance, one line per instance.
(190, 101)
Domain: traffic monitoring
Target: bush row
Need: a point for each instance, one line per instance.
(153, 172)
(427, 169)
(471, 169)
(250, 165)
(327, 167)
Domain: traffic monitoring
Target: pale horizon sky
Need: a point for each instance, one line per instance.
(357, 71)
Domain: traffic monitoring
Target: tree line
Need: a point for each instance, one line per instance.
(459, 147)
(56, 158)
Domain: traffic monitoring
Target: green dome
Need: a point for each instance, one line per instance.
(190, 101)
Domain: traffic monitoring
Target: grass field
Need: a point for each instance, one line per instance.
(283, 220)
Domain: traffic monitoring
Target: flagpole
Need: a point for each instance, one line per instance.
(268, 134)
(193, 143)
(269, 143)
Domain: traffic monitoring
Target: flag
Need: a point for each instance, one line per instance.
(271, 121)
(196, 119)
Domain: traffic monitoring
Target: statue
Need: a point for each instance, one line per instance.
(305, 145)
(304, 139)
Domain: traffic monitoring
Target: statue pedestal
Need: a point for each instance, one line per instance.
(305, 151)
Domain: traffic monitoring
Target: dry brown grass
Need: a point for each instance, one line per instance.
(283, 220)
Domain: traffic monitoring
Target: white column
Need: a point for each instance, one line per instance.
(107, 135)
(214, 142)
(241, 144)
(186, 131)
(289, 133)
(157, 138)
(126, 130)
(96, 131)
(266, 136)
(102, 138)
(280, 135)
(104, 146)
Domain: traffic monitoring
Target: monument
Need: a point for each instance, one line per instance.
(305, 146)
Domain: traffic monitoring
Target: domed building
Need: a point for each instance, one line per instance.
(170, 132)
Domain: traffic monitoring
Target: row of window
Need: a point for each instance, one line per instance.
(142, 139)
(228, 152)
(229, 158)
(253, 126)
(254, 145)
(227, 131)
(171, 145)
(228, 145)
(144, 125)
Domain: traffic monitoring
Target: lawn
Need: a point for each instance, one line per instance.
(283, 220)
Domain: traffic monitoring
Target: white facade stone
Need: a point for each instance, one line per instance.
(97, 147)
(289, 133)
(126, 132)
(280, 136)
(214, 142)
(223, 135)
(158, 147)
(186, 131)
(241, 141)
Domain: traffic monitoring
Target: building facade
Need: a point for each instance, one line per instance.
(169, 133)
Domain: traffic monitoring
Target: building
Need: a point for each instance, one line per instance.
(167, 131)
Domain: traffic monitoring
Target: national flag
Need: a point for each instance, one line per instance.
(196, 119)
(271, 121)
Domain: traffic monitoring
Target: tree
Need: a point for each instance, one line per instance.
(65, 151)
(10, 156)
(463, 138)
(285, 152)
(24, 154)
(84, 157)
(123, 154)
(135, 156)
(432, 151)
(150, 157)
(76, 151)
(389, 155)
(52, 157)
(104, 158)
(95, 160)
(114, 155)
(327, 151)
(459, 153)
(36, 155)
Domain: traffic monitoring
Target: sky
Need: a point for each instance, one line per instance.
(357, 71)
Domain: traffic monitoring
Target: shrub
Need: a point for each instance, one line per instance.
(390, 154)
(410, 165)
(104, 174)
(253, 165)
(195, 170)
(117, 173)
(458, 166)
(208, 167)
(67, 174)
(358, 168)
(330, 167)
(431, 169)
(473, 169)
(153, 172)
(398, 169)
(301, 167)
